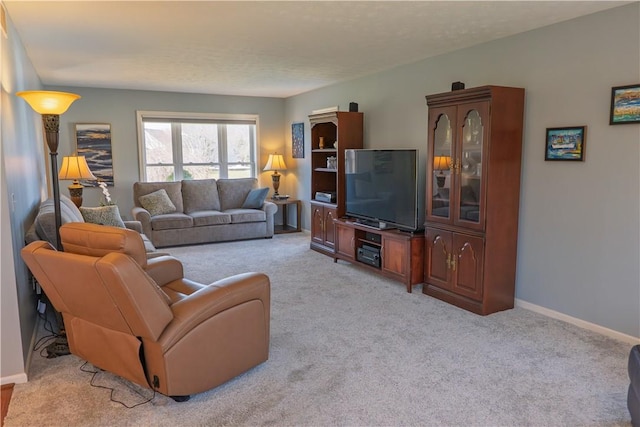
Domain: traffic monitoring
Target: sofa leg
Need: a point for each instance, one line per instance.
(180, 398)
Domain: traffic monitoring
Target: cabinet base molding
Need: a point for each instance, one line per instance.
(468, 304)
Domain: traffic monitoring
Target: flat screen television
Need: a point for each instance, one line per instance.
(381, 188)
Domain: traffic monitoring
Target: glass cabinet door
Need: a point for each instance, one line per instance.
(441, 164)
(469, 162)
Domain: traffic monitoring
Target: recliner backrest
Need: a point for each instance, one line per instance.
(99, 240)
(112, 292)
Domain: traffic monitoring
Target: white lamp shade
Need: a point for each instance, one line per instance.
(48, 102)
(275, 163)
(75, 167)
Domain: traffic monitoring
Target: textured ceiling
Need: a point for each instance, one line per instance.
(265, 48)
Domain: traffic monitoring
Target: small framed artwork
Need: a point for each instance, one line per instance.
(297, 140)
(93, 141)
(625, 104)
(566, 143)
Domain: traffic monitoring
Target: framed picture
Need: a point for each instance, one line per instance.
(93, 141)
(297, 140)
(566, 143)
(625, 104)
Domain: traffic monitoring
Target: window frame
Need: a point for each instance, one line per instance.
(142, 115)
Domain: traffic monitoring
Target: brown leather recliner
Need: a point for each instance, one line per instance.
(142, 320)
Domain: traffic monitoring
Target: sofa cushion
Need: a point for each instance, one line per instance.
(200, 195)
(255, 198)
(157, 203)
(210, 218)
(233, 192)
(103, 215)
(246, 215)
(173, 189)
(171, 221)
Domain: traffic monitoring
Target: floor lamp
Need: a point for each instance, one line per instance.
(51, 104)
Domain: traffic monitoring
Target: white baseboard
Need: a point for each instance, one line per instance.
(23, 377)
(578, 322)
(14, 379)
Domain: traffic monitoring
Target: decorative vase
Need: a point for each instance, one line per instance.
(321, 143)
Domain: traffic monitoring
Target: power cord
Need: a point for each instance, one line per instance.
(113, 390)
(44, 341)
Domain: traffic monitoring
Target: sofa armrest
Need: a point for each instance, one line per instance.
(134, 225)
(144, 217)
(204, 304)
(269, 208)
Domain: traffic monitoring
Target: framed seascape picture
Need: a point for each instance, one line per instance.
(94, 143)
(297, 140)
(566, 143)
(625, 104)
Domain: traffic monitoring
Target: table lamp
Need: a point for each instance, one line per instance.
(441, 163)
(75, 168)
(275, 163)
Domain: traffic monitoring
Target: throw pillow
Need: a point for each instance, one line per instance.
(103, 215)
(255, 198)
(157, 203)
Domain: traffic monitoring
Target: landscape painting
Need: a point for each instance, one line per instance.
(625, 104)
(565, 143)
(94, 143)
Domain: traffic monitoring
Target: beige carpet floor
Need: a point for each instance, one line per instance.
(349, 348)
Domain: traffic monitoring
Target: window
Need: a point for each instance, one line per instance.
(177, 146)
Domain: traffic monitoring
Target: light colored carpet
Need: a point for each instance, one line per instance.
(349, 348)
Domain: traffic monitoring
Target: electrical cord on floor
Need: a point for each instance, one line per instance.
(44, 341)
(113, 390)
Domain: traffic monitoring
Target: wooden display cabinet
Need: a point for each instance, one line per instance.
(331, 134)
(322, 227)
(400, 254)
(473, 196)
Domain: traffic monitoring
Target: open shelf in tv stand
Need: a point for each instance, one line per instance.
(400, 253)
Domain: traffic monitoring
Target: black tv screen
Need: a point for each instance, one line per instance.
(382, 187)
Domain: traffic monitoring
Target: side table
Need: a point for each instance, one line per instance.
(285, 227)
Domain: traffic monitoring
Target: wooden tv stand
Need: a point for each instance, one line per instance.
(395, 254)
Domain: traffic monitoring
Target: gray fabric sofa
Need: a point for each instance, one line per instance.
(206, 211)
(44, 226)
(633, 394)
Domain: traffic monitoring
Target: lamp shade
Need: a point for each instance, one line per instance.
(48, 102)
(441, 163)
(275, 163)
(75, 167)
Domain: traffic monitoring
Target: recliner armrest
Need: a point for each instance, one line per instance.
(164, 269)
(213, 299)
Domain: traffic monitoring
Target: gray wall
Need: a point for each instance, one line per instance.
(118, 107)
(578, 250)
(22, 186)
